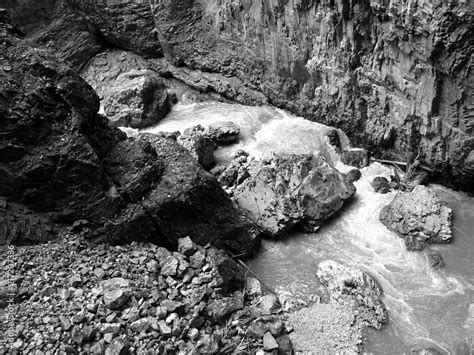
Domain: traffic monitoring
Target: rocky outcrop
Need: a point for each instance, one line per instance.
(200, 147)
(65, 164)
(392, 76)
(354, 285)
(419, 217)
(131, 93)
(295, 191)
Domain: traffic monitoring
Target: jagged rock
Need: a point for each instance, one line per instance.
(380, 184)
(140, 325)
(333, 138)
(357, 157)
(200, 147)
(172, 306)
(117, 291)
(419, 217)
(218, 310)
(186, 246)
(225, 132)
(131, 94)
(170, 266)
(434, 258)
(269, 342)
(117, 347)
(346, 283)
(299, 190)
(253, 286)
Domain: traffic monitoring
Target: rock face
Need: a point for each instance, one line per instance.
(131, 94)
(298, 190)
(419, 217)
(346, 283)
(200, 147)
(65, 164)
(392, 76)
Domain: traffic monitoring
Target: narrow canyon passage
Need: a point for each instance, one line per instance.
(426, 306)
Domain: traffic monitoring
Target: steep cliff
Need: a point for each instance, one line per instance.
(394, 75)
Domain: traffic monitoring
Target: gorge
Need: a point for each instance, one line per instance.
(129, 126)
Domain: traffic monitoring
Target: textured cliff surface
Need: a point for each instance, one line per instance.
(61, 163)
(394, 75)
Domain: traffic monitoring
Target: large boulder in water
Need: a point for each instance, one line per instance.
(346, 283)
(225, 132)
(67, 164)
(419, 217)
(296, 190)
(357, 157)
(132, 95)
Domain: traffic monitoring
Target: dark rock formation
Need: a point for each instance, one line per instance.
(200, 147)
(354, 175)
(66, 164)
(394, 77)
(298, 190)
(355, 157)
(350, 284)
(225, 132)
(380, 184)
(419, 217)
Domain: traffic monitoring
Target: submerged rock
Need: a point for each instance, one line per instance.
(380, 184)
(297, 190)
(419, 217)
(351, 284)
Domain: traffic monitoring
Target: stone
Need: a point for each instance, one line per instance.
(297, 190)
(269, 342)
(170, 266)
(357, 157)
(419, 217)
(65, 323)
(257, 329)
(284, 344)
(197, 259)
(381, 185)
(225, 132)
(269, 304)
(140, 325)
(434, 258)
(200, 147)
(75, 281)
(186, 246)
(117, 347)
(354, 175)
(351, 284)
(219, 310)
(333, 138)
(172, 306)
(117, 291)
(253, 286)
(113, 328)
(165, 330)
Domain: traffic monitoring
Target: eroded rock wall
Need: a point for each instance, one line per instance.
(394, 75)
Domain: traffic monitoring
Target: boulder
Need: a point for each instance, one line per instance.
(354, 285)
(200, 147)
(297, 190)
(131, 94)
(381, 185)
(419, 217)
(225, 132)
(357, 157)
(353, 175)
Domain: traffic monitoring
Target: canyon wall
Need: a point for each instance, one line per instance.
(394, 75)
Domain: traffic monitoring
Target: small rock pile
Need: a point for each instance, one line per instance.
(75, 297)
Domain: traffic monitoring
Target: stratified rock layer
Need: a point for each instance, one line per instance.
(65, 164)
(351, 284)
(298, 190)
(419, 217)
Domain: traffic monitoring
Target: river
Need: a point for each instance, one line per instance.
(426, 307)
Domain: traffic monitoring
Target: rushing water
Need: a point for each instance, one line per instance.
(425, 306)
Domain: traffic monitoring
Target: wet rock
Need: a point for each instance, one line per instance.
(333, 138)
(354, 175)
(257, 329)
(381, 185)
(225, 132)
(357, 157)
(253, 286)
(269, 342)
(350, 284)
(117, 291)
(419, 217)
(269, 304)
(434, 258)
(284, 344)
(299, 190)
